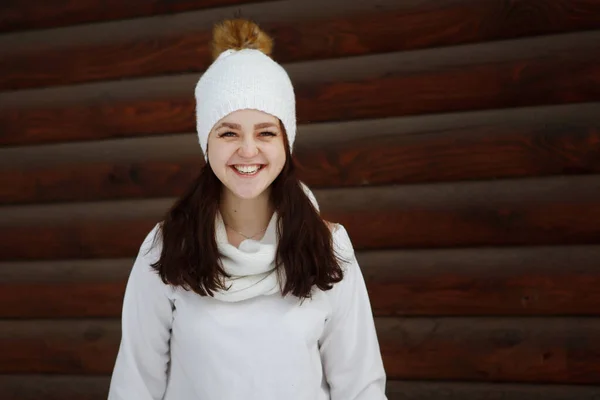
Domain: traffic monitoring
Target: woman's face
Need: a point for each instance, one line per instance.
(246, 152)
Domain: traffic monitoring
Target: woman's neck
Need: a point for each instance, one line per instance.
(248, 217)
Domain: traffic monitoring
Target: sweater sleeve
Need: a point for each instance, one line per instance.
(141, 366)
(349, 346)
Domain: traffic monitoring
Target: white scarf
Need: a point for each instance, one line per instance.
(251, 267)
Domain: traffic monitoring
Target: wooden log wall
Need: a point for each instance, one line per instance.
(457, 140)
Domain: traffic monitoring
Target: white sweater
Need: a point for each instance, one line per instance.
(177, 345)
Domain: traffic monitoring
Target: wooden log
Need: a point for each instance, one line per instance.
(36, 387)
(38, 14)
(56, 387)
(47, 290)
(455, 153)
(409, 27)
(512, 281)
(47, 300)
(423, 390)
(339, 155)
(492, 349)
(495, 213)
(483, 282)
(570, 73)
(68, 347)
(98, 181)
(553, 350)
(79, 240)
(550, 211)
(291, 11)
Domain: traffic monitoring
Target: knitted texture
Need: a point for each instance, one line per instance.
(244, 79)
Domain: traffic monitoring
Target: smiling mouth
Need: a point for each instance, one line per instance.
(247, 170)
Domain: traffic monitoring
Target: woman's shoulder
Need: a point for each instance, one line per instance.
(339, 234)
(342, 243)
(343, 290)
(150, 248)
(153, 238)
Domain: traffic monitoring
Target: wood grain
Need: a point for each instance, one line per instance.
(562, 210)
(57, 300)
(55, 387)
(491, 150)
(98, 181)
(68, 347)
(555, 350)
(492, 349)
(533, 281)
(461, 151)
(571, 75)
(38, 14)
(36, 387)
(431, 390)
(515, 281)
(78, 240)
(415, 26)
(518, 212)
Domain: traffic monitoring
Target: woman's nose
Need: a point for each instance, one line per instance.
(248, 148)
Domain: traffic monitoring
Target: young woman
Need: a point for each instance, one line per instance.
(244, 292)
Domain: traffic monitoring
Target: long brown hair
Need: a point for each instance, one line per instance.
(190, 257)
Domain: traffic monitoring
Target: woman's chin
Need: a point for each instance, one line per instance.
(247, 192)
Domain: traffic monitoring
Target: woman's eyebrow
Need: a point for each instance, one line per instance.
(229, 125)
(265, 125)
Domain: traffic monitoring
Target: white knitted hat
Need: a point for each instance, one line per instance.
(243, 77)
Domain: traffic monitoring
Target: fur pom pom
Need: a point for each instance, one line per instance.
(238, 34)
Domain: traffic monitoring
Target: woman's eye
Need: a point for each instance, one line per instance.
(268, 134)
(227, 134)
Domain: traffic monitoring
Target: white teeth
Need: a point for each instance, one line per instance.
(247, 169)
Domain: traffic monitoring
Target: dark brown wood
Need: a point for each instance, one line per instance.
(492, 349)
(86, 239)
(67, 347)
(565, 76)
(473, 87)
(520, 212)
(492, 150)
(399, 390)
(36, 387)
(553, 211)
(458, 152)
(98, 181)
(56, 300)
(98, 285)
(555, 350)
(420, 25)
(55, 387)
(514, 281)
(37, 14)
